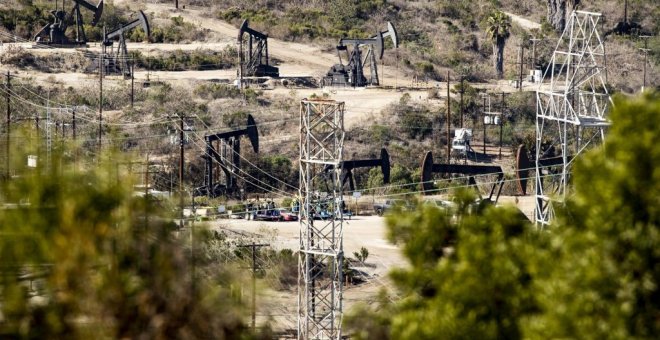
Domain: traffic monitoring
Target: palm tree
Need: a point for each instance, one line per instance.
(498, 29)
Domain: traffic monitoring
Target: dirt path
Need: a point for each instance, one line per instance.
(297, 59)
(360, 231)
(524, 23)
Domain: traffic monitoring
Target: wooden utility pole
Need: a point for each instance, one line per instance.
(181, 162)
(520, 73)
(73, 124)
(101, 67)
(448, 123)
(132, 83)
(146, 194)
(8, 89)
(646, 51)
(484, 121)
(73, 127)
(534, 40)
(36, 122)
(503, 105)
(462, 91)
(181, 118)
(254, 281)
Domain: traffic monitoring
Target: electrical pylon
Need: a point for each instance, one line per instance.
(320, 260)
(571, 112)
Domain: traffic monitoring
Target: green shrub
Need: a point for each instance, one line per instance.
(416, 124)
(187, 60)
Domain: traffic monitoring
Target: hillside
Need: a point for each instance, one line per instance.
(194, 46)
(165, 114)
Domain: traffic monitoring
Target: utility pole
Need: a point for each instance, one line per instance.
(73, 124)
(102, 66)
(132, 83)
(254, 281)
(520, 73)
(181, 163)
(503, 105)
(181, 118)
(534, 40)
(146, 194)
(484, 121)
(192, 245)
(646, 54)
(462, 91)
(8, 88)
(448, 123)
(36, 122)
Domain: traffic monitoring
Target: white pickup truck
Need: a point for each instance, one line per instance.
(461, 143)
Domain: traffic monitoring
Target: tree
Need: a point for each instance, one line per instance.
(103, 263)
(362, 255)
(605, 281)
(469, 276)
(498, 26)
(558, 12)
(485, 273)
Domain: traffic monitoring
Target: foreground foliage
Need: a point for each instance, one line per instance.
(82, 257)
(489, 274)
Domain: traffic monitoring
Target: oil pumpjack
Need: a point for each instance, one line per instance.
(54, 33)
(117, 61)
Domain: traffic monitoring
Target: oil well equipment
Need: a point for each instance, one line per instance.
(361, 53)
(228, 157)
(347, 168)
(548, 163)
(254, 60)
(429, 168)
(116, 61)
(54, 33)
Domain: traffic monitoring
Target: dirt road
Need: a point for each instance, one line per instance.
(280, 307)
(361, 231)
(524, 23)
(297, 59)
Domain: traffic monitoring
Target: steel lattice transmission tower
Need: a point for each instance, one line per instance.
(571, 113)
(321, 254)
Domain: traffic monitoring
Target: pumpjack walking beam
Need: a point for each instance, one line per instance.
(347, 168)
(353, 72)
(230, 139)
(429, 168)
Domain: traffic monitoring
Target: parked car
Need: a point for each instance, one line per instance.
(381, 208)
(267, 215)
(322, 215)
(288, 216)
(347, 213)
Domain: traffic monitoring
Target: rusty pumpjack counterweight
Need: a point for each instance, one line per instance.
(524, 165)
(231, 145)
